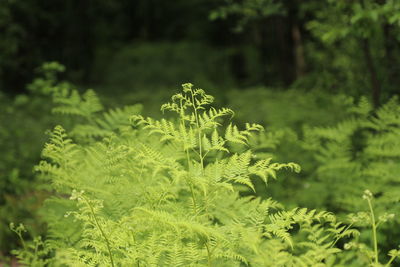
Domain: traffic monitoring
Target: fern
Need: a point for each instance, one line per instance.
(171, 192)
(360, 152)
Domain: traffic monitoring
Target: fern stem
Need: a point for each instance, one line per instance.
(199, 131)
(188, 161)
(390, 261)
(22, 241)
(375, 241)
(208, 255)
(193, 197)
(36, 257)
(190, 184)
(338, 237)
(101, 231)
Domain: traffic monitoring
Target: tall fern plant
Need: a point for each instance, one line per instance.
(171, 193)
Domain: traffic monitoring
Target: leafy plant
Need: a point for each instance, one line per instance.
(172, 193)
(369, 255)
(33, 253)
(23, 120)
(360, 152)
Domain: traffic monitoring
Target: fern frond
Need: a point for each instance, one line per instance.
(69, 102)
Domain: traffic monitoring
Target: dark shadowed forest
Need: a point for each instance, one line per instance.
(200, 133)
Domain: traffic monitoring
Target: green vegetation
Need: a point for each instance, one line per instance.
(289, 158)
(125, 189)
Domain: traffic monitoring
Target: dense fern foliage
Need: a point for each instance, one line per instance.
(174, 192)
(295, 162)
(360, 152)
(190, 189)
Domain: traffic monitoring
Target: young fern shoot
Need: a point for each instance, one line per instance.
(370, 218)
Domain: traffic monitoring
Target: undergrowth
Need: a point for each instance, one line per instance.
(360, 152)
(134, 191)
(173, 192)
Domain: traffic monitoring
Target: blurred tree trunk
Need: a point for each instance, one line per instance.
(375, 84)
(298, 51)
(285, 59)
(293, 16)
(392, 69)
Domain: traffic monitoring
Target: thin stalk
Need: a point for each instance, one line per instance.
(22, 241)
(189, 167)
(190, 184)
(375, 241)
(101, 231)
(205, 154)
(390, 261)
(208, 255)
(200, 154)
(195, 152)
(199, 132)
(193, 197)
(338, 238)
(188, 159)
(36, 252)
